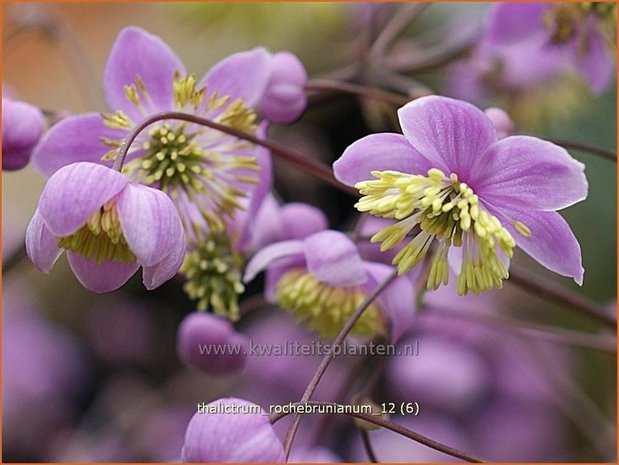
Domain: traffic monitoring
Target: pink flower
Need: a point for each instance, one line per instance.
(109, 227)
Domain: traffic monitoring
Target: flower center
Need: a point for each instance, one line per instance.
(101, 238)
(443, 210)
(190, 162)
(213, 275)
(565, 21)
(325, 309)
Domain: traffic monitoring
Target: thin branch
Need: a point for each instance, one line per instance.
(367, 445)
(602, 342)
(330, 85)
(326, 361)
(592, 149)
(401, 19)
(549, 290)
(396, 428)
(303, 162)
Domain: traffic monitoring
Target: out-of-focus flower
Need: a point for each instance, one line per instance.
(108, 226)
(489, 384)
(284, 100)
(533, 58)
(313, 455)
(238, 431)
(211, 344)
(582, 35)
(44, 373)
(322, 280)
(467, 192)
(120, 331)
(22, 127)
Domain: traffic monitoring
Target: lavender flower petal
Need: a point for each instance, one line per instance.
(378, 152)
(22, 126)
(334, 259)
(274, 255)
(552, 243)
(75, 192)
(74, 139)
(157, 274)
(41, 245)
(149, 222)
(512, 22)
(105, 277)
(597, 64)
(139, 54)
(242, 75)
(232, 437)
(529, 172)
(284, 99)
(450, 133)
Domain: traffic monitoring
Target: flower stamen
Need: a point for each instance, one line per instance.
(442, 210)
(325, 309)
(101, 238)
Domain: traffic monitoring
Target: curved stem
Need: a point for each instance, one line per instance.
(367, 445)
(326, 361)
(396, 428)
(396, 26)
(308, 164)
(549, 290)
(592, 149)
(601, 342)
(356, 89)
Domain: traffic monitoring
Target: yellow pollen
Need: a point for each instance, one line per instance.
(325, 309)
(442, 212)
(101, 238)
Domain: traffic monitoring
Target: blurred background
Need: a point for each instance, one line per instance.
(97, 378)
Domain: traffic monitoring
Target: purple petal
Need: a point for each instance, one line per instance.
(552, 243)
(74, 139)
(513, 22)
(299, 220)
(74, 193)
(243, 436)
(41, 246)
(273, 255)
(378, 152)
(22, 126)
(243, 75)
(597, 64)
(529, 172)
(334, 259)
(154, 276)
(105, 277)
(397, 300)
(138, 53)
(149, 223)
(211, 344)
(452, 134)
(285, 100)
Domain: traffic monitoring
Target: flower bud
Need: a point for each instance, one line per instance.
(211, 344)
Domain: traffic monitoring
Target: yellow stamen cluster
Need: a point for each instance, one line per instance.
(443, 210)
(565, 20)
(188, 160)
(213, 275)
(101, 238)
(325, 309)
